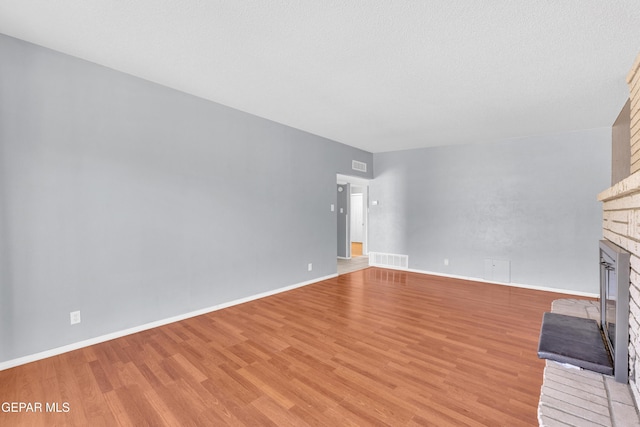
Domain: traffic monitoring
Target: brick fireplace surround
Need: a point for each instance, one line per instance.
(572, 397)
(621, 225)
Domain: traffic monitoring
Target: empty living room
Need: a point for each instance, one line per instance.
(177, 184)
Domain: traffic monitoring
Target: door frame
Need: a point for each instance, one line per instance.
(364, 183)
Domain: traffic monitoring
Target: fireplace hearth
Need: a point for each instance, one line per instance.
(599, 347)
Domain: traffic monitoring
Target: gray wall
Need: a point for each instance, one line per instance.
(531, 201)
(133, 202)
(5, 296)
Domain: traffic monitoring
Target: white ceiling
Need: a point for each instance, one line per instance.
(374, 74)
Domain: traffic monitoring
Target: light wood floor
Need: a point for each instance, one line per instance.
(356, 248)
(374, 347)
(354, 264)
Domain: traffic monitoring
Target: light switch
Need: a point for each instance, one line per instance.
(341, 210)
(333, 208)
(374, 203)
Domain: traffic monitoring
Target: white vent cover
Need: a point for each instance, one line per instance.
(358, 166)
(377, 259)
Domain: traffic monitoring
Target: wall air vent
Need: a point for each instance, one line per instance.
(377, 259)
(358, 166)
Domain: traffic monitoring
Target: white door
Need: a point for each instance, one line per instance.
(357, 218)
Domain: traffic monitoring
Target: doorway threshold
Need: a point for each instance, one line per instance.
(354, 264)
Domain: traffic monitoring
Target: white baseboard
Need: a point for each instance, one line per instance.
(515, 285)
(113, 335)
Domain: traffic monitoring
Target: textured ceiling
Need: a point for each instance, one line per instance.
(378, 75)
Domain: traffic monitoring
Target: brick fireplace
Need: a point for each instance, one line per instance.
(621, 225)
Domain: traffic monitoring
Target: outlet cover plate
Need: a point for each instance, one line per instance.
(74, 317)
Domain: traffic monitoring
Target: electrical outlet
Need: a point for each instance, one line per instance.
(74, 317)
(446, 261)
(310, 267)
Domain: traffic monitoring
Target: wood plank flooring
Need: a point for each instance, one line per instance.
(374, 347)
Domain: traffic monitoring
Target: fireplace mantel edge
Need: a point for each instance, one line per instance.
(625, 187)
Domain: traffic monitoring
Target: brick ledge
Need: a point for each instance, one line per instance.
(627, 186)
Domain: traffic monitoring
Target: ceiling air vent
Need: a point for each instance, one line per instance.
(358, 166)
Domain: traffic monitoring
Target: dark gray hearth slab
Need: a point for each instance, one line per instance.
(574, 340)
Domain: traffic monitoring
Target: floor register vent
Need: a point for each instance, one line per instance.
(378, 259)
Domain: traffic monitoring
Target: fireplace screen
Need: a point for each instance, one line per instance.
(614, 305)
(608, 299)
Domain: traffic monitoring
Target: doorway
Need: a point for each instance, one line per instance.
(357, 221)
(352, 223)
